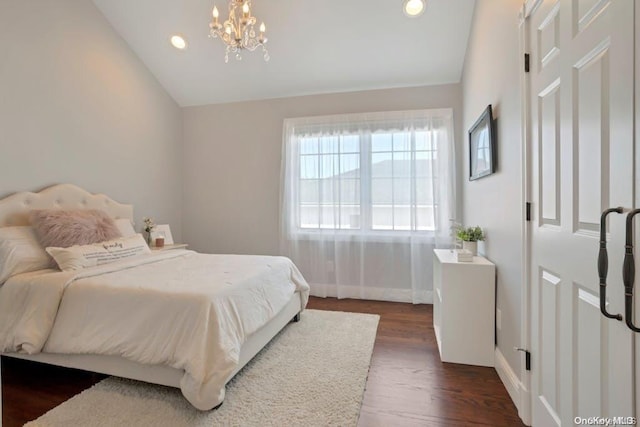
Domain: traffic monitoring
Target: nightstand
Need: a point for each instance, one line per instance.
(169, 247)
(464, 308)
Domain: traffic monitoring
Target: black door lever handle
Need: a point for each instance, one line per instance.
(603, 264)
(629, 272)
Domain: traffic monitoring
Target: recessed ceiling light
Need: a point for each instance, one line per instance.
(413, 7)
(178, 42)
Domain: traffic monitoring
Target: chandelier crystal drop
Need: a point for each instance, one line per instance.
(238, 32)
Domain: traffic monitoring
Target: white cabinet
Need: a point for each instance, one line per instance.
(464, 308)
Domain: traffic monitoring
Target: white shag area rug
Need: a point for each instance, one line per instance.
(312, 374)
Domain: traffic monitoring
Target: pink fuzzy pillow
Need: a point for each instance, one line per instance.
(64, 229)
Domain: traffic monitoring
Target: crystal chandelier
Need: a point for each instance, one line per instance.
(238, 32)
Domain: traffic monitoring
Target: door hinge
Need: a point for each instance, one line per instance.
(527, 66)
(527, 357)
(528, 211)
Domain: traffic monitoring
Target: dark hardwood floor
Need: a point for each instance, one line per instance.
(408, 385)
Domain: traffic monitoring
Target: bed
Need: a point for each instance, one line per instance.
(176, 318)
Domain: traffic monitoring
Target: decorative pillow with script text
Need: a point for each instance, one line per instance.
(79, 257)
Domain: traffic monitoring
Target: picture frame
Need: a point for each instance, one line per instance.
(162, 230)
(482, 146)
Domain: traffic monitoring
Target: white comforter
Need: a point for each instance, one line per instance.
(179, 308)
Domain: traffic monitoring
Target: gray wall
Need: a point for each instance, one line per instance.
(232, 156)
(491, 76)
(78, 106)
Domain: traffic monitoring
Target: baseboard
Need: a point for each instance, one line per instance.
(509, 378)
(371, 293)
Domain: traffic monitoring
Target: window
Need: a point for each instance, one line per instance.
(330, 181)
(402, 180)
(375, 174)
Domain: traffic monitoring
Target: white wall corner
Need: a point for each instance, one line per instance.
(511, 383)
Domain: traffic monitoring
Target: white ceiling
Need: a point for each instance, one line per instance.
(318, 46)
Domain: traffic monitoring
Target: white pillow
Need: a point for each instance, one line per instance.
(79, 257)
(125, 227)
(20, 252)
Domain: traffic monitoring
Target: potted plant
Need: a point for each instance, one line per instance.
(470, 236)
(149, 225)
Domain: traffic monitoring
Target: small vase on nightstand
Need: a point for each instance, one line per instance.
(471, 247)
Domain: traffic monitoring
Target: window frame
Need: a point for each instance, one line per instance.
(367, 228)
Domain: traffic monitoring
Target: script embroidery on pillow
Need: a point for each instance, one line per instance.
(79, 257)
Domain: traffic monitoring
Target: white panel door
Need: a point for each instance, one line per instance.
(582, 102)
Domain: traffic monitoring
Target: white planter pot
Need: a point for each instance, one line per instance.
(471, 247)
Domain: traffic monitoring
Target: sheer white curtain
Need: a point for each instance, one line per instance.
(365, 198)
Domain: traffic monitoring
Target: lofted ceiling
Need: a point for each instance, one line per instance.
(316, 47)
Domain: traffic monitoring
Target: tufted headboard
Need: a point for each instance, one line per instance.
(15, 208)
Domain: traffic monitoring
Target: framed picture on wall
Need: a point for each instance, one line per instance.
(482, 150)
